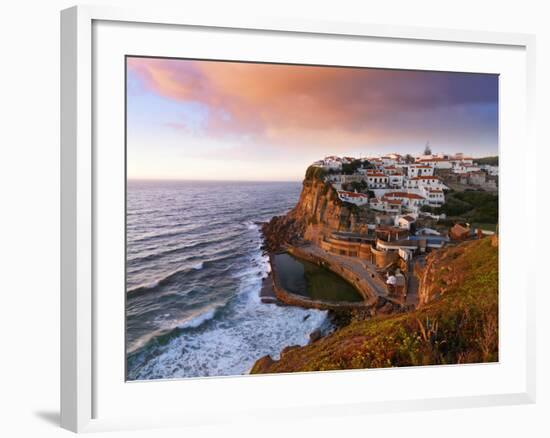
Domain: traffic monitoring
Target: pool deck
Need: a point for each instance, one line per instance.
(364, 275)
(363, 269)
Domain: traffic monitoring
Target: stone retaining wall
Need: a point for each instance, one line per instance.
(360, 284)
(292, 299)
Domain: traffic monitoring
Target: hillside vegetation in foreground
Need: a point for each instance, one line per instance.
(459, 326)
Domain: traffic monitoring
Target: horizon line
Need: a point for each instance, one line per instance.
(207, 180)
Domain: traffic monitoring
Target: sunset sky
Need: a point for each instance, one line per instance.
(213, 120)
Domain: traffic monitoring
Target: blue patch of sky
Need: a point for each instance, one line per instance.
(148, 111)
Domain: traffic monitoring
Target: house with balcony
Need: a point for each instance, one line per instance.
(376, 180)
(434, 197)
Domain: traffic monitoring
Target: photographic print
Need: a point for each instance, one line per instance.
(286, 218)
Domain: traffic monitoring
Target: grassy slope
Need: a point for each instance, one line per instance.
(459, 327)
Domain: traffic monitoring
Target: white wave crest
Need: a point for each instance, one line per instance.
(198, 320)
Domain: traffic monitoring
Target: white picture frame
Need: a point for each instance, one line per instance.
(79, 217)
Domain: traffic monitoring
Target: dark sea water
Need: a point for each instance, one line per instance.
(194, 272)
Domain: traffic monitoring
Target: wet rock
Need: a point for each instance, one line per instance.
(386, 309)
(262, 365)
(288, 349)
(381, 302)
(315, 336)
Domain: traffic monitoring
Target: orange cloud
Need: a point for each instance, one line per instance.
(309, 105)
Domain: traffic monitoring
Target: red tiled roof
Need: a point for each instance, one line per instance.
(403, 195)
(426, 160)
(426, 177)
(353, 194)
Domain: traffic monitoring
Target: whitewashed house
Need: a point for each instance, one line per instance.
(405, 222)
(396, 181)
(390, 206)
(436, 162)
(491, 170)
(333, 162)
(358, 199)
(415, 170)
(377, 180)
(465, 168)
(434, 197)
(412, 201)
(420, 182)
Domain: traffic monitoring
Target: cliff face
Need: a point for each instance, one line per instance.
(317, 211)
(449, 267)
(458, 323)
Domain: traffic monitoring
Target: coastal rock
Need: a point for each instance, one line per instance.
(315, 336)
(262, 365)
(288, 349)
(377, 341)
(381, 302)
(317, 210)
(386, 309)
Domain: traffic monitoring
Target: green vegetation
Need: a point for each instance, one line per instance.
(461, 326)
(351, 168)
(409, 159)
(491, 161)
(359, 186)
(314, 172)
(469, 206)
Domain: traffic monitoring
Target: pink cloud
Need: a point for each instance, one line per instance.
(305, 105)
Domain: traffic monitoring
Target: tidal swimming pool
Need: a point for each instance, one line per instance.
(307, 279)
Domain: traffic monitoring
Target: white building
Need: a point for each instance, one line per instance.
(396, 181)
(412, 201)
(391, 206)
(376, 180)
(358, 199)
(465, 168)
(405, 222)
(333, 162)
(434, 197)
(491, 170)
(436, 162)
(414, 170)
(421, 182)
(460, 158)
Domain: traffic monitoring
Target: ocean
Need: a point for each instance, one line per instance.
(194, 272)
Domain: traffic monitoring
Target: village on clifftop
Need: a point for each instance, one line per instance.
(403, 198)
(395, 183)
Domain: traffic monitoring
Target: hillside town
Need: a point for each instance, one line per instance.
(401, 207)
(397, 184)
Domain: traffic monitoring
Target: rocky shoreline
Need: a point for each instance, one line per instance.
(316, 207)
(430, 331)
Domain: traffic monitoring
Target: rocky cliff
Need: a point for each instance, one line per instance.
(458, 322)
(317, 211)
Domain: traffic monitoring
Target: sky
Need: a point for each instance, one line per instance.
(216, 120)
